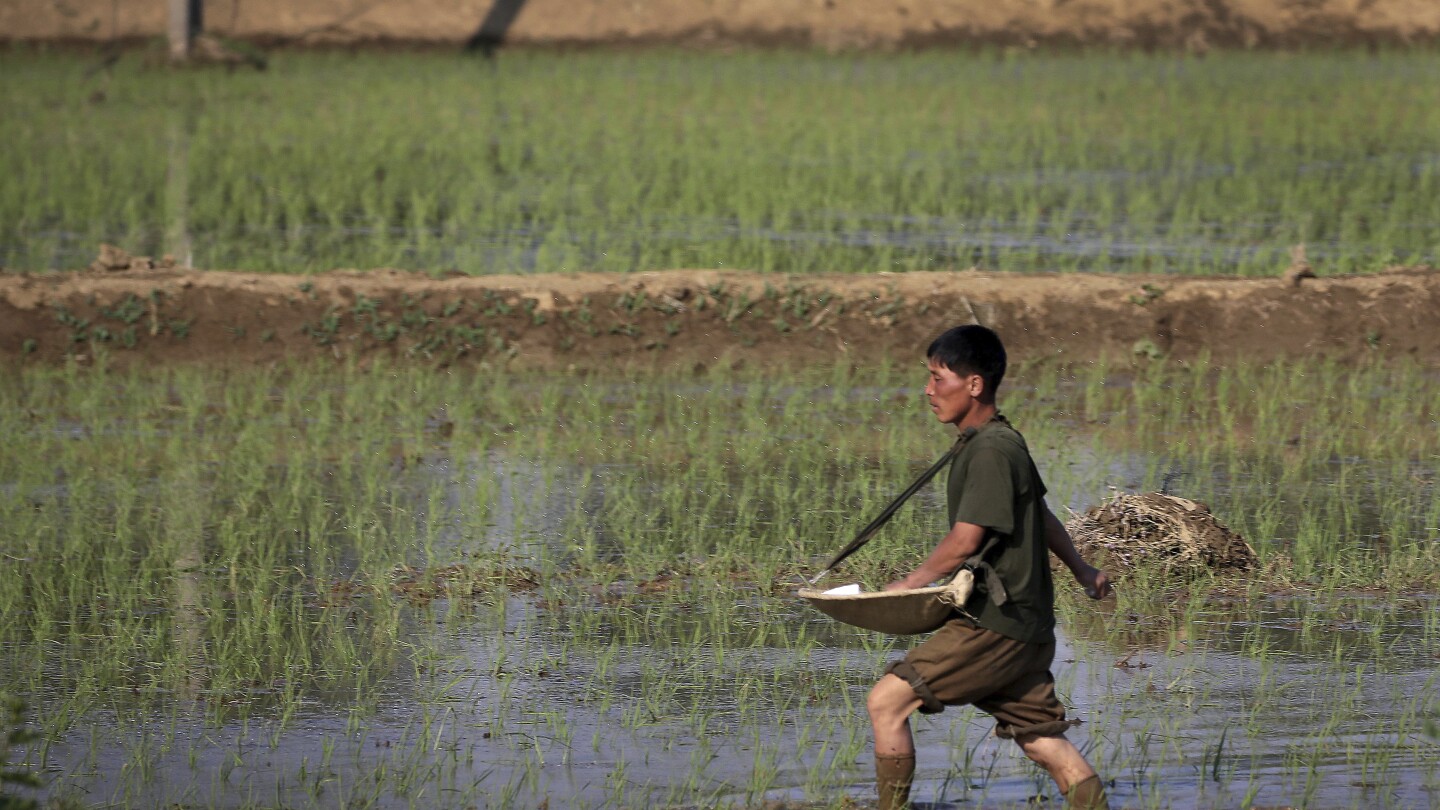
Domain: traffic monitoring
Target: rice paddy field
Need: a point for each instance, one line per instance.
(311, 584)
(325, 587)
(759, 160)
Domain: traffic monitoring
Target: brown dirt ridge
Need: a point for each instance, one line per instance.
(134, 312)
(1195, 25)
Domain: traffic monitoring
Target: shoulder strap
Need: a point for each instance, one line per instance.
(884, 517)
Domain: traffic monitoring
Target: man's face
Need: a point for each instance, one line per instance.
(951, 395)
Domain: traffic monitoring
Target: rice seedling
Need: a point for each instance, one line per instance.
(774, 161)
(303, 586)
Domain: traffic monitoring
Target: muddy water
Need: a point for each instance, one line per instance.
(1226, 712)
(741, 696)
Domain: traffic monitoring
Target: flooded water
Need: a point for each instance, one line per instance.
(1267, 705)
(340, 598)
(1014, 244)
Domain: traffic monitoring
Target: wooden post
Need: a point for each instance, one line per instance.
(177, 242)
(186, 21)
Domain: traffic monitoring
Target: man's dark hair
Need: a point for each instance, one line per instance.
(971, 349)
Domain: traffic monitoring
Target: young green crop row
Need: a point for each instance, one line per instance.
(270, 484)
(593, 573)
(772, 161)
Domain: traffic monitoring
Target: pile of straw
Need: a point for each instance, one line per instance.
(1175, 536)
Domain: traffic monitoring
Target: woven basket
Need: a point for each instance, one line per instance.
(899, 613)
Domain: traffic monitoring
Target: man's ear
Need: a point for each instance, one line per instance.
(977, 385)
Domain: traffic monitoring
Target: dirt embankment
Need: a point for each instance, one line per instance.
(1192, 24)
(689, 319)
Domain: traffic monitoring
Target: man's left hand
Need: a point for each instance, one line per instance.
(1095, 582)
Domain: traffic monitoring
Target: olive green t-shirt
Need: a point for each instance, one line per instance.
(993, 483)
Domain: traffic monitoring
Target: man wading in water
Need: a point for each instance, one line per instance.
(1000, 660)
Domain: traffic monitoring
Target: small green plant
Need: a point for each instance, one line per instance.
(1146, 348)
(1148, 292)
(797, 302)
(79, 327)
(128, 311)
(326, 331)
(467, 335)
(364, 306)
(384, 331)
(498, 307)
(631, 303)
(16, 737)
(736, 308)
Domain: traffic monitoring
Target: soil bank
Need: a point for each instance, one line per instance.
(1192, 24)
(691, 319)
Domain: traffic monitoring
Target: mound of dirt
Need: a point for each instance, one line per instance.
(1194, 25)
(115, 260)
(1178, 536)
(136, 311)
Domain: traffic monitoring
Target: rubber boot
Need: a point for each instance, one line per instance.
(1088, 794)
(892, 781)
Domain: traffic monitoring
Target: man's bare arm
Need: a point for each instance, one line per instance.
(1057, 537)
(957, 546)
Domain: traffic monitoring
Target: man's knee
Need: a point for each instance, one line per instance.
(1057, 755)
(891, 699)
(1050, 750)
(1040, 750)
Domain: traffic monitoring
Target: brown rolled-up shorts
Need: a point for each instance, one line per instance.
(964, 664)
